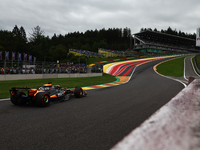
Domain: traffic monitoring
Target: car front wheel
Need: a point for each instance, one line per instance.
(78, 92)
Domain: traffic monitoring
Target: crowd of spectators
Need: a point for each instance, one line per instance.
(122, 53)
(93, 54)
(75, 68)
(87, 53)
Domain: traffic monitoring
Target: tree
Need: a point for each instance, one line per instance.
(20, 40)
(20, 33)
(40, 48)
(103, 44)
(1, 48)
(23, 34)
(72, 58)
(95, 46)
(169, 31)
(58, 52)
(16, 31)
(36, 34)
(86, 47)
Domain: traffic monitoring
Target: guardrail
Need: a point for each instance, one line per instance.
(46, 76)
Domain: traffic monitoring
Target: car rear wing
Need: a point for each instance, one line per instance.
(20, 89)
(31, 92)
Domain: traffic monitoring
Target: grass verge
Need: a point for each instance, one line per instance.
(173, 67)
(198, 59)
(5, 86)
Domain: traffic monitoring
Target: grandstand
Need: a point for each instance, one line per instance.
(101, 53)
(113, 53)
(157, 42)
(84, 53)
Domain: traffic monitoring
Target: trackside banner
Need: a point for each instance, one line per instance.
(198, 37)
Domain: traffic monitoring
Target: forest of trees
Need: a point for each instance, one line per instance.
(57, 47)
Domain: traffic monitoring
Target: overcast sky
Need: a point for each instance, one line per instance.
(64, 16)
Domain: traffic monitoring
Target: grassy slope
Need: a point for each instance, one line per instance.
(198, 60)
(174, 67)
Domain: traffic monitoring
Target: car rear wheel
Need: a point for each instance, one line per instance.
(42, 99)
(78, 92)
(17, 99)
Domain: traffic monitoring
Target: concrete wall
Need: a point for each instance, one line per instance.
(46, 76)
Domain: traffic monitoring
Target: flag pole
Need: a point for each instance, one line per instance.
(12, 59)
(25, 59)
(5, 63)
(18, 59)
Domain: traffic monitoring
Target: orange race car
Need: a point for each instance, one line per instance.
(44, 95)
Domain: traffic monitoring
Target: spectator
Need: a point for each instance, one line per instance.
(2, 71)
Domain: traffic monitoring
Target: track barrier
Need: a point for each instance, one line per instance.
(46, 76)
(190, 79)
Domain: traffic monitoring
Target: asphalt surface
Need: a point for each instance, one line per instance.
(95, 122)
(189, 71)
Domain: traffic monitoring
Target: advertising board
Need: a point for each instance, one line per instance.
(198, 37)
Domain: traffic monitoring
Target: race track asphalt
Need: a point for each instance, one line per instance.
(189, 71)
(95, 122)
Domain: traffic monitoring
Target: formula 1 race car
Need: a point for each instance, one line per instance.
(44, 95)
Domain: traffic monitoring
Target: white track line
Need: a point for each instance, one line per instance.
(5, 99)
(173, 79)
(167, 76)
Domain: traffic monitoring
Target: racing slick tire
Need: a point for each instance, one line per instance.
(78, 92)
(42, 99)
(17, 99)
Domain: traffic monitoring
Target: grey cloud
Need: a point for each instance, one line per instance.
(63, 16)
